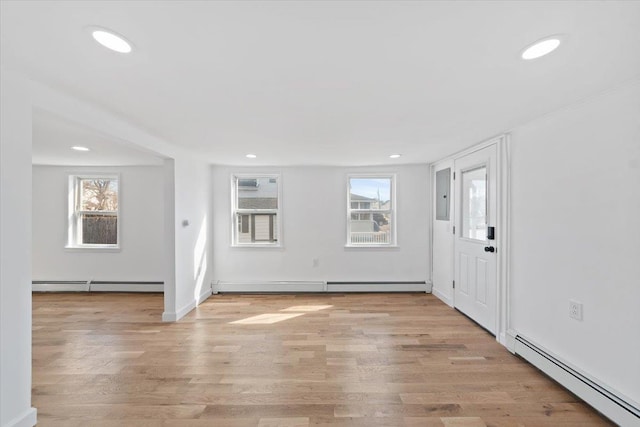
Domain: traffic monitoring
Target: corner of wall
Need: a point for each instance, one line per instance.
(442, 297)
(169, 316)
(508, 339)
(29, 418)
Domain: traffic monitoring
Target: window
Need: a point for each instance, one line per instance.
(371, 211)
(256, 210)
(94, 208)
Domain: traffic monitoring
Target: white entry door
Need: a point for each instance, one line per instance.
(475, 292)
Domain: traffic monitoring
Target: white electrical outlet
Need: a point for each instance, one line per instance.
(575, 309)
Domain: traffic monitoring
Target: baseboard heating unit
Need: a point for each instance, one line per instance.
(266, 286)
(417, 286)
(96, 286)
(611, 404)
(318, 286)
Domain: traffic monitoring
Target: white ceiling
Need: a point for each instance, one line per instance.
(53, 138)
(342, 83)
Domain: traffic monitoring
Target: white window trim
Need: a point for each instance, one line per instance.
(234, 211)
(73, 224)
(393, 211)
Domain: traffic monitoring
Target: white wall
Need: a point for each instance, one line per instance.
(141, 223)
(193, 273)
(442, 241)
(314, 226)
(576, 234)
(15, 252)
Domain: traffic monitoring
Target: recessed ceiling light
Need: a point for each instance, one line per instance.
(251, 156)
(111, 40)
(79, 148)
(541, 47)
(395, 156)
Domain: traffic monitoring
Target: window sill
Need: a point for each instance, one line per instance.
(348, 246)
(89, 248)
(257, 245)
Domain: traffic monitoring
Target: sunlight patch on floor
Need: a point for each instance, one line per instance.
(307, 308)
(266, 319)
(289, 313)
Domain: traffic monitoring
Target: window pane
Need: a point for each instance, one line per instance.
(370, 193)
(263, 228)
(244, 231)
(474, 204)
(361, 216)
(99, 195)
(370, 228)
(259, 228)
(99, 229)
(259, 193)
(244, 226)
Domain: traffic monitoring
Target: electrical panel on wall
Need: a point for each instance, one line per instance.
(443, 189)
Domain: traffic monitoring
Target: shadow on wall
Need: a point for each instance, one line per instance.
(200, 259)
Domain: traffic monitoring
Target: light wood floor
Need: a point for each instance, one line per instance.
(284, 360)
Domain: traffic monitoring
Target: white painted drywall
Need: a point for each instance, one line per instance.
(442, 232)
(15, 251)
(193, 241)
(141, 223)
(576, 235)
(314, 227)
(168, 171)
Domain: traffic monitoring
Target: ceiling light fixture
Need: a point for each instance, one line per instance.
(111, 40)
(395, 156)
(251, 156)
(541, 47)
(79, 148)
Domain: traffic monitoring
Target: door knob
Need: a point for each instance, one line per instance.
(489, 249)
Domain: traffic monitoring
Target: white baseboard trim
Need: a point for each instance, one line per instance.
(76, 286)
(509, 340)
(171, 316)
(442, 297)
(28, 418)
(206, 293)
(186, 309)
(613, 405)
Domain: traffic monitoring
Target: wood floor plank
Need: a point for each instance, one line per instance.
(284, 422)
(104, 360)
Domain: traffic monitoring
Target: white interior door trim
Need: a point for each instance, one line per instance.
(504, 239)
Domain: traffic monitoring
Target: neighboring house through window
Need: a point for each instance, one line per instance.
(371, 210)
(256, 210)
(93, 211)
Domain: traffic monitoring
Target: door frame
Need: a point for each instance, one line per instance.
(503, 229)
